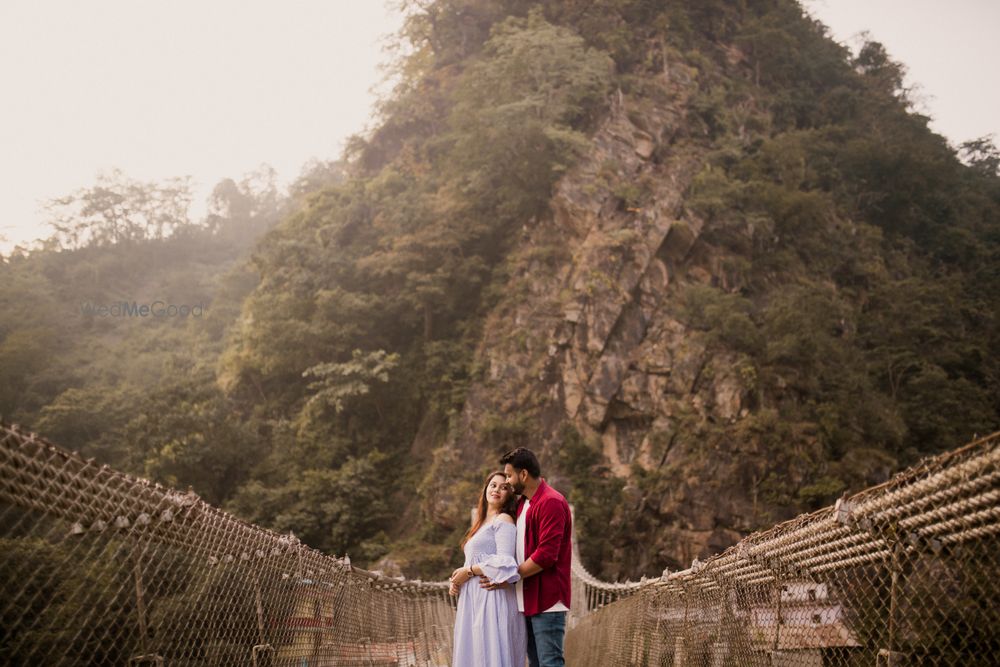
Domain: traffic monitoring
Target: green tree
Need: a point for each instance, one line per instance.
(519, 110)
(340, 511)
(982, 155)
(338, 382)
(119, 209)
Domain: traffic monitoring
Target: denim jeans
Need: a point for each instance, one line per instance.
(545, 639)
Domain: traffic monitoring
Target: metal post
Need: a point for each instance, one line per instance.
(726, 619)
(420, 635)
(427, 644)
(210, 652)
(778, 621)
(656, 630)
(681, 659)
(140, 605)
(369, 658)
(259, 649)
(260, 609)
(893, 600)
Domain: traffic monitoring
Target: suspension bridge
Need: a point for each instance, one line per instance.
(101, 568)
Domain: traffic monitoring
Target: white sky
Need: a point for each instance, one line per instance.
(214, 88)
(166, 88)
(950, 50)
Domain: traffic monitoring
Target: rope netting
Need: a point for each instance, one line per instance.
(904, 573)
(100, 568)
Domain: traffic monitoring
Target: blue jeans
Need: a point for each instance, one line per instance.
(545, 639)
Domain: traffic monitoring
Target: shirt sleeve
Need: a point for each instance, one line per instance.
(502, 566)
(552, 519)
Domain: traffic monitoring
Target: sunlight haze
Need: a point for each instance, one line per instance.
(160, 90)
(213, 90)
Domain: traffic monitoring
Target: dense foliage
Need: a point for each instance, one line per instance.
(136, 391)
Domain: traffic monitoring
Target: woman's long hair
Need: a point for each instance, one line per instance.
(509, 508)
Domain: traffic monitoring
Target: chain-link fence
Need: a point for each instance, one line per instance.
(100, 568)
(590, 593)
(905, 573)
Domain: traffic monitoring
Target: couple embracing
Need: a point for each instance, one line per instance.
(514, 588)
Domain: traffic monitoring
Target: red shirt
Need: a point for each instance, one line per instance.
(548, 542)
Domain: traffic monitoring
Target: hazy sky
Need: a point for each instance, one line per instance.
(165, 88)
(213, 88)
(948, 48)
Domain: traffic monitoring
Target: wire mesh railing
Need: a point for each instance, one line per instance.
(904, 573)
(100, 568)
(590, 593)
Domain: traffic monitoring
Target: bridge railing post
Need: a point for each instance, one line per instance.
(259, 605)
(779, 619)
(893, 657)
(680, 657)
(140, 603)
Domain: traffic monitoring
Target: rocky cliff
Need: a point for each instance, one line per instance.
(703, 334)
(590, 331)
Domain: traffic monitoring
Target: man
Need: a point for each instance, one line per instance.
(544, 553)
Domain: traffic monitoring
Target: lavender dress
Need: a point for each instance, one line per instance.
(489, 630)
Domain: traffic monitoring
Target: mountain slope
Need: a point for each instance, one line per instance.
(704, 260)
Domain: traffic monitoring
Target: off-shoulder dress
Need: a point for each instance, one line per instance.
(489, 630)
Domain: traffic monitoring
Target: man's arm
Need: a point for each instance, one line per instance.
(551, 524)
(552, 518)
(529, 568)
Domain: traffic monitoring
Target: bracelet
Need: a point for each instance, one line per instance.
(471, 573)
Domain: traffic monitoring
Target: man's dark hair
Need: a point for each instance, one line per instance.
(522, 459)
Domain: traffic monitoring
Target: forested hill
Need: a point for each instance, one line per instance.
(706, 261)
(112, 327)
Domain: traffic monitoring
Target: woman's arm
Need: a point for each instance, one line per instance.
(500, 569)
(506, 546)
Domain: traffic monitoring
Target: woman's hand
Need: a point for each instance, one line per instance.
(461, 575)
(453, 590)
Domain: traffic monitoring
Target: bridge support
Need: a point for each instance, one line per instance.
(140, 603)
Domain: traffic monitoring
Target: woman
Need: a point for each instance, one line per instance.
(489, 631)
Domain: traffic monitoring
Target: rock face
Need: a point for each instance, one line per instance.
(591, 332)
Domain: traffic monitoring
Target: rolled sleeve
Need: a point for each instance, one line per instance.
(552, 518)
